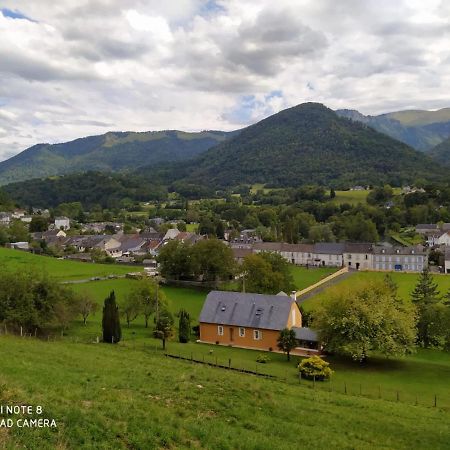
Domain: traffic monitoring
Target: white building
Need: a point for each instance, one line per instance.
(444, 239)
(447, 261)
(399, 259)
(62, 223)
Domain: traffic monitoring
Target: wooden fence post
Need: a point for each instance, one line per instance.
(345, 387)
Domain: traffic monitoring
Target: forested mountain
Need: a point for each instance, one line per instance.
(114, 151)
(109, 190)
(441, 153)
(310, 143)
(419, 129)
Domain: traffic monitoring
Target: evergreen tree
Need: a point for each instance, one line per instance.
(332, 193)
(184, 326)
(287, 341)
(425, 296)
(112, 332)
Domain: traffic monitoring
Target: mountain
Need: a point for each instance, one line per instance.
(113, 151)
(419, 129)
(310, 143)
(441, 153)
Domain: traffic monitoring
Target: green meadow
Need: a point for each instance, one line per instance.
(116, 396)
(131, 395)
(63, 270)
(405, 282)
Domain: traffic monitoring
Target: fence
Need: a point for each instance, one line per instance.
(268, 371)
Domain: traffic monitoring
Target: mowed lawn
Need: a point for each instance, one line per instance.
(351, 197)
(304, 277)
(63, 270)
(178, 298)
(406, 283)
(116, 396)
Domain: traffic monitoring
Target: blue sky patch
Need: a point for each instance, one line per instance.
(14, 14)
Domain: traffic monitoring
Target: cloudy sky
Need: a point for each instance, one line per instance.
(75, 68)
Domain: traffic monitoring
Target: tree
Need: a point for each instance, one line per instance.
(85, 306)
(425, 296)
(213, 260)
(164, 327)
(287, 341)
(147, 297)
(365, 318)
(315, 368)
(131, 308)
(184, 326)
(266, 273)
(112, 332)
(332, 193)
(175, 259)
(38, 223)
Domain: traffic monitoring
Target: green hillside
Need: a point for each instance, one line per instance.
(63, 270)
(441, 153)
(419, 129)
(310, 144)
(112, 151)
(120, 397)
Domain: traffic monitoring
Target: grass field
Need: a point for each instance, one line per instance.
(351, 197)
(60, 269)
(304, 277)
(405, 282)
(104, 396)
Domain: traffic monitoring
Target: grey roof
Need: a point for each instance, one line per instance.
(329, 248)
(414, 250)
(426, 226)
(445, 227)
(283, 247)
(306, 334)
(351, 247)
(270, 312)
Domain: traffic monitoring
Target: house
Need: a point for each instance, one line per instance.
(358, 256)
(299, 254)
(447, 260)
(62, 223)
(425, 228)
(329, 254)
(26, 219)
(18, 213)
(171, 233)
(444, 239)
(188, 237)
(240, 253)
(247, 320)
(405, 259)
(5, 218)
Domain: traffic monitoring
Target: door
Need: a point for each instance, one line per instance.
(231, 334)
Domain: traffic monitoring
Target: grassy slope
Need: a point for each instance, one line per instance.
(59, 269)
(405, 282)
(351, 197)
(116, 397)
(306, 277)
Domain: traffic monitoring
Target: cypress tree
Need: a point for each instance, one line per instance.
(184, 326)
(425, 296)
(112, 332)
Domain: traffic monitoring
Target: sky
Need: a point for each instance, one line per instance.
(69, 69)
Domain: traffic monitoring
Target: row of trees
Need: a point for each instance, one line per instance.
(32, 302)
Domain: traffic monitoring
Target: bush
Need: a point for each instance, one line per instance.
(315, 368)
(263, 359)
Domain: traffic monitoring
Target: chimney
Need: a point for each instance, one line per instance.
(294, 295)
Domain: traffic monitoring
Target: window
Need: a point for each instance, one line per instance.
(220, 330)
(241, 332)
(257, 335)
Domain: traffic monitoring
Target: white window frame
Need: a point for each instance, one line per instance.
(241, 332)
(257, 335)
(219, 330)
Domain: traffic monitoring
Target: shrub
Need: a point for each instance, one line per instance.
(315, 368)
(263, 359)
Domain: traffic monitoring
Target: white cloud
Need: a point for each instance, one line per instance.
(90, 66)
